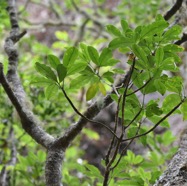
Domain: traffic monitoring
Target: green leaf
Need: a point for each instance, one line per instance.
(174, 84)
(85, 54)
(61, 35)
(41, 81)
(62, 72)
(155, 119)
(153, 109)
(76, 68)
(159, 56)
(106, 54)
(113, 30)
(161, 87)
(91, 92)
(169, 64)
(184, 110)
(173, 48)
(120, 42)
(102, 88)
(70, 56)
(139, 52)
(124, 25)
(53, 61)
(51, 91)
(173, 33)
(45, 71)
(109, 76)
(154, 28)
(94, 55)
(94, 171)
(80, 81)
(170, 102)
(110, 62)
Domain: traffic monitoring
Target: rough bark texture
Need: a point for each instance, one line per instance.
(176, 173)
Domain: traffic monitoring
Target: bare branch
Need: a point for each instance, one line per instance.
(13, 87)
(173, 10)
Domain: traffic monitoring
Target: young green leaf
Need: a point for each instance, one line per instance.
(53, 61)
(102, 88)
(91, 92)
(94, 55)
(45, 71)
(113, 30)
(70, 56)
(62, 72)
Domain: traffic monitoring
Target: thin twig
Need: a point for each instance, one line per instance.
(158, 123)
(92, 121)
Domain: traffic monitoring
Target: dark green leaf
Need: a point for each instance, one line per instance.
(45, 71)
(62, 71)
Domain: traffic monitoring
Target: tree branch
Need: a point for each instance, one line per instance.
(173, 10)
(12, 84)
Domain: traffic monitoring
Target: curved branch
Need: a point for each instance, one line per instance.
(12, 84)
(173, 10)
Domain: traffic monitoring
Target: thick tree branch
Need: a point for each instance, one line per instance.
(13, 87)
(28, 120)
(177, 169)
